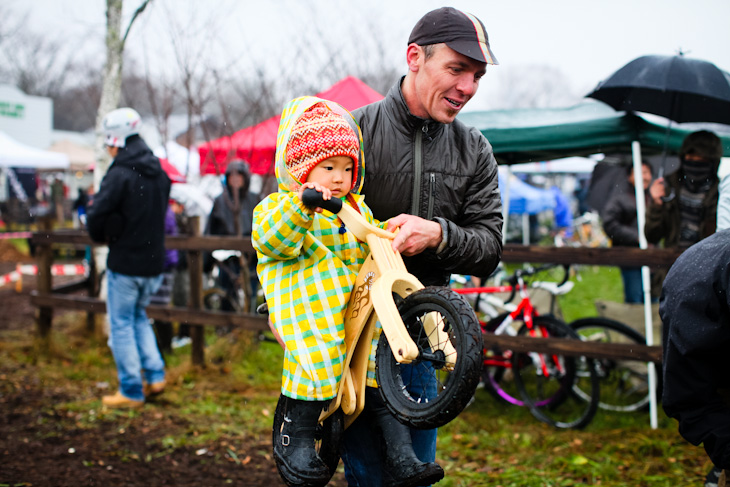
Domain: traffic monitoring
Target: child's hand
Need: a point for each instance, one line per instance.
(326, 193)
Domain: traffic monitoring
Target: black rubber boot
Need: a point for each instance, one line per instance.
(296, 458)
(402, 466)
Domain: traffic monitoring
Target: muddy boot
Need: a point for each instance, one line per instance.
(402, 466)
(296, 458)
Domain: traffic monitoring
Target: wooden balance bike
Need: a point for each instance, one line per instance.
(431, 329)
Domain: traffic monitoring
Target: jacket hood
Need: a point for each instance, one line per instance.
(242, 168)
(138, 157)
(289, 115)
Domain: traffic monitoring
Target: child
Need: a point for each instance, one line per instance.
(307, 264)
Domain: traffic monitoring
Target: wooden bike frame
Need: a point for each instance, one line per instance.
(371, 300)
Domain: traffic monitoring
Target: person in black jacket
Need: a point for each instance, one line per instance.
(620, 223)
(128, 214)
(232, 215)
(695, 311)
(436, 180)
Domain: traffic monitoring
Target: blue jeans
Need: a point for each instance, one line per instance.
(131, 337)
(633, 289)
(362, 450)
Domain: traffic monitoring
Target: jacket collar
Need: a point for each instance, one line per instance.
(402, 116)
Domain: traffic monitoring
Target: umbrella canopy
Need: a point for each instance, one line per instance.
(675, 87)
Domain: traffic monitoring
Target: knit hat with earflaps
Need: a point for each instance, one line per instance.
(318, 134)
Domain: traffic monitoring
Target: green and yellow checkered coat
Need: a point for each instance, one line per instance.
(307, 269)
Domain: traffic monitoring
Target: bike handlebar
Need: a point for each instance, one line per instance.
(514, 279)
(311, 198)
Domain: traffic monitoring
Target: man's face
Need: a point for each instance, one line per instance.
(444, 83)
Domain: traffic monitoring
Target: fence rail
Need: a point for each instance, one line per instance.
(46, 298)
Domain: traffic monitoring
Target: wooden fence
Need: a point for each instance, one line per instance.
(46, 298)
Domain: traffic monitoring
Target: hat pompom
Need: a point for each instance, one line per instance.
(318, 134)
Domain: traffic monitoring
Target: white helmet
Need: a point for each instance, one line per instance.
(120, 124)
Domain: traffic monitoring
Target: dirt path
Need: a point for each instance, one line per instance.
(42, 444)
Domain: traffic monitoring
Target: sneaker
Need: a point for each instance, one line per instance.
(155, 389)
(120, 401)
(713, 476)
(179, 342)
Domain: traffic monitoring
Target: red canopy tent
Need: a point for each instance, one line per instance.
(257, 144)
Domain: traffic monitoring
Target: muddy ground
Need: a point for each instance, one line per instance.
(44, 445)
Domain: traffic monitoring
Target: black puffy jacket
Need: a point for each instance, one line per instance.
(695, 312)
(455, 176)
(128, 211)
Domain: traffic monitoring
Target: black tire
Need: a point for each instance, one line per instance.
(448, 392)
(624, 383)
(328, 435)
(546, 381)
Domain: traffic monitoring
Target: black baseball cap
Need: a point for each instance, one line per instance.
(462, 32)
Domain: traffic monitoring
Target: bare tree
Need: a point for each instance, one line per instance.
(112, 76)
(533, 86)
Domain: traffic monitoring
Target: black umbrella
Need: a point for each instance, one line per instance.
(675, 87)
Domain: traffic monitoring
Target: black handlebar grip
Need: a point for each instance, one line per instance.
(313, 199)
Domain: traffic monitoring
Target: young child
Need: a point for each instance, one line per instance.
(307, 264)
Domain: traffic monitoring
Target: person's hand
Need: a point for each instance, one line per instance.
(326, 193)
(657, 191)
(415, 234)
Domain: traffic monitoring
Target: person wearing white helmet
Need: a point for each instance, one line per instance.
(128, 214)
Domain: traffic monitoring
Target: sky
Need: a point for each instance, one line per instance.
(584, 40)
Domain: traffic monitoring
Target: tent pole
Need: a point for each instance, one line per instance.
(648, 325)
(505, 204)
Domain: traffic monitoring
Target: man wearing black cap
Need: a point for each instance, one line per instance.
(436, 180)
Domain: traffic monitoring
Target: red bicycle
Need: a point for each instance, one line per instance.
(543, 382)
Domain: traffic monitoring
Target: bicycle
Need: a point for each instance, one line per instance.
(433, 329)
(542, 382)
(624, 383)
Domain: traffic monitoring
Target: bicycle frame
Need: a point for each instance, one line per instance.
(371, 300)
(525, 309)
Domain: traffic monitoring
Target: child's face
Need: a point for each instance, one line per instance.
(334, 174)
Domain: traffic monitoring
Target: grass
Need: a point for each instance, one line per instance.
(231, 401)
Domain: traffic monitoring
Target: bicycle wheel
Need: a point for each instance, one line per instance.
(624, 383)
(425, 394)
(328, 435)
(496, 370)
(546, 381)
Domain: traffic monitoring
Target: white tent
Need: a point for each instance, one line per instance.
(15, 154)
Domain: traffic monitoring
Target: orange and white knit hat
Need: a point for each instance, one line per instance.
(318, 134)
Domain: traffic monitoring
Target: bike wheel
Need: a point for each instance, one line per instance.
(624, 383)
(328, 435)
(425, 394)
(546, 381)
(496, 370)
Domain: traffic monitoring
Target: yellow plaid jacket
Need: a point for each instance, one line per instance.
(307, 268)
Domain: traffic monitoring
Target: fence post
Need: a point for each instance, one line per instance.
(44, 259)
(92, 292)
(195, 268)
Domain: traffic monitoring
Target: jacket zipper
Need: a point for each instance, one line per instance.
(431, 186)
(418, 169)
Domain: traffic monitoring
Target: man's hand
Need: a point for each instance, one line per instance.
(657, 191)
(415, 235)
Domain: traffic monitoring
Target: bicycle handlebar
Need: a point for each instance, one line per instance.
(311, 198)
(514, 279)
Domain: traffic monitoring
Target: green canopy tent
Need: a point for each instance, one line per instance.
(540, 134)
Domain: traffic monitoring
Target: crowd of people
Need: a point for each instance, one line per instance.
(434, 180)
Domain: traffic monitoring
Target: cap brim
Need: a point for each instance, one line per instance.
(478, 51)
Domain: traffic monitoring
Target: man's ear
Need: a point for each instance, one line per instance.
(414, 55)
